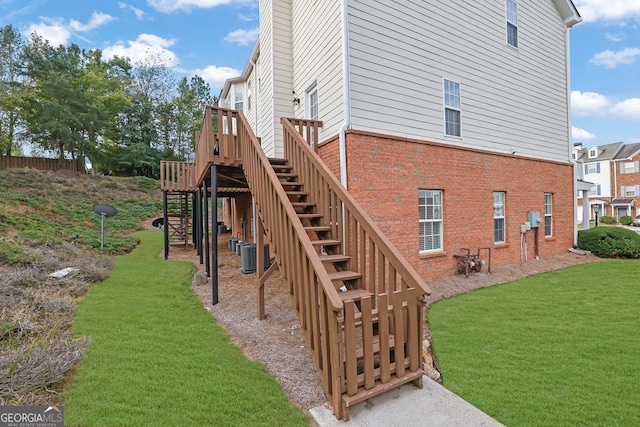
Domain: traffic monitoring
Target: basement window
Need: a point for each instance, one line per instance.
(430, 220)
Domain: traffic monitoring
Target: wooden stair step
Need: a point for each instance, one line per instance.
(297, 193)
(318, 228)
(277, 160)
(349, 275)
(326, 242)
(335, 258)
(291, 183)
(354, 294)
(376, 345)
(303, 204)
(286, 175)
(310, 215)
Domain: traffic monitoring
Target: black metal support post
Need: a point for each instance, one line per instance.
(194, 232)
(214, 235)
(206, 228)
(198, 241)
(165, 224)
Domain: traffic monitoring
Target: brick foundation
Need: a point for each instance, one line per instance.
(385, 174)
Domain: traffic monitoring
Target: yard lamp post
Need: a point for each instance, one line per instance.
(596, 209)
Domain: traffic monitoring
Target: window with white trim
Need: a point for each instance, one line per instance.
(629, 190)
(430, 220)
(596, 190)
(499, 235)
(312, 102)
(451, 108)
(591, 168)
(629, 167)
(593, 154)
(249, 95)
(548, 214)
(238, 98)
(512, 23)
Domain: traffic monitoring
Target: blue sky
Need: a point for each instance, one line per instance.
(213, 38)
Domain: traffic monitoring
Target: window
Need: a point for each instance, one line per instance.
(591, 168)
(593, 154)
(249, 95)
(452, 108)
(548, 219)
(629, 167)
(239, 98)
(574, 156)
(512, 23)
(312, 102)
(595, 190)
(630, 191)
(498, 217)
(430, 220)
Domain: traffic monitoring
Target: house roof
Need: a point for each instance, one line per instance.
(606, 152)
(618, 202)
(628, 151)
(568, 12)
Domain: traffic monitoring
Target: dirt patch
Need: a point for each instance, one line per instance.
(278, 343)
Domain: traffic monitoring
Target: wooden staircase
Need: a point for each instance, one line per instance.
(329, 249)
(179, 218)
(359, 303)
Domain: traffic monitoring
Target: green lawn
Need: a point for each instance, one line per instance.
(558, 349)
(157, 357)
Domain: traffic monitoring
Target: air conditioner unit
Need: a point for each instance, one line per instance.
(248, 255)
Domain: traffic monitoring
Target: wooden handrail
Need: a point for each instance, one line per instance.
(177, 176)
(270, 197)
(351, 208)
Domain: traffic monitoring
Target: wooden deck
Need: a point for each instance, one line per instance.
(359, 303)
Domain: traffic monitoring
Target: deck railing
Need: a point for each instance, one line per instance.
(359, 347)
(217, 141)
(177, 176)
(397, 304)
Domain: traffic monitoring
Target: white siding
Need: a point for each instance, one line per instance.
(282, 71)
(265, 98)
(317, 55)
(511, 99)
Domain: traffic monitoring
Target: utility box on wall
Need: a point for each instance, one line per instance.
(534, 219)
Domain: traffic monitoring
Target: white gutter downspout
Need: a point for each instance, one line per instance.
(346, 94)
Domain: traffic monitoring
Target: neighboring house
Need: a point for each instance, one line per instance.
(626, 181)
(598, 169)
(448, 121)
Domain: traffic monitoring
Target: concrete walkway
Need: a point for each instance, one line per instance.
(407, 405)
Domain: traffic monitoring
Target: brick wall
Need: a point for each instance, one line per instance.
(385, 174)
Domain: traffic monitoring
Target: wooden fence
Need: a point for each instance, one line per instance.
(15, 162)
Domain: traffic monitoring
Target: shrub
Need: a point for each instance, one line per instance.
(606, 219)
(625, 220)
(610, 242)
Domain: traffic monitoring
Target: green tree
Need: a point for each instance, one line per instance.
(11, 87)
(55, 99)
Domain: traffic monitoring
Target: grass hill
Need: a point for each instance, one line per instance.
(47, 224)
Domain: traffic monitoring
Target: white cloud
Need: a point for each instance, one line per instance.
(588, 103)
(58, 32)
(618, 37)
(53, 30)
(98, 19)
(611, 59)
(243, 37)
(216, 76)
(608, 10)
(629, 108)
(167, 6)
(581, 134)
(146, 45)
(138, 12)
(595, 104)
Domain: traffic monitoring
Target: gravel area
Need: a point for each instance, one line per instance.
(278, 343)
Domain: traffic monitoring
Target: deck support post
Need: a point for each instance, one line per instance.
(206, 227)
(260, 266)
(194, 216)
(214, 235)
(165, 224)
(199, 226)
